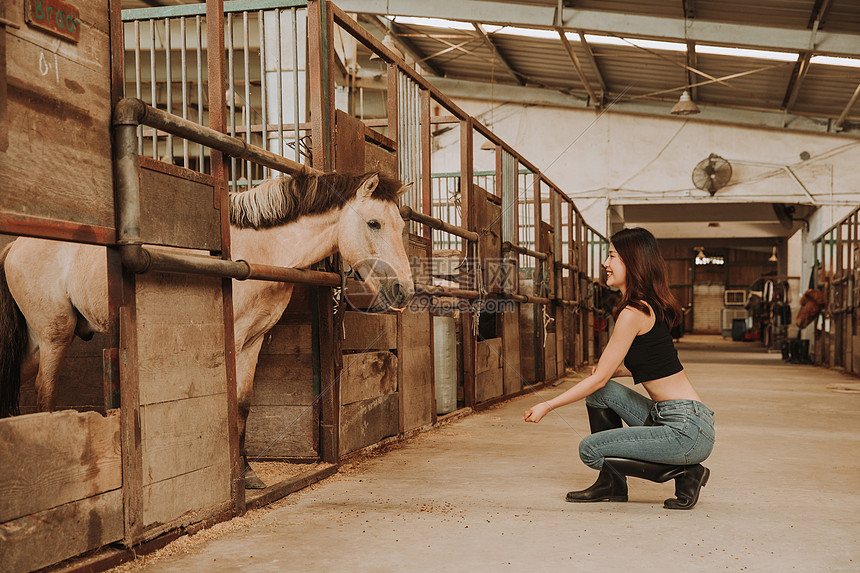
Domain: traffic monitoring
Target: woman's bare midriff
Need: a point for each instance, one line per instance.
(674, 387)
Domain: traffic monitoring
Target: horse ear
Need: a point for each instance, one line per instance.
(404, 189)
(368, 186)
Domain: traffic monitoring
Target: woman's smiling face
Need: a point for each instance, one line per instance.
(616, 271)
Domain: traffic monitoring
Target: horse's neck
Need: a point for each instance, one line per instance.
(299, 244)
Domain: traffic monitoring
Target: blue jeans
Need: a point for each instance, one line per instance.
(678, 432)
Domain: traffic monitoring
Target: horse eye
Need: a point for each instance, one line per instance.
(374, 224)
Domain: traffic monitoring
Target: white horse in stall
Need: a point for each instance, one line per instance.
(50, 291)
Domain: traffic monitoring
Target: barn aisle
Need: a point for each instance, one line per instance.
(487, 493)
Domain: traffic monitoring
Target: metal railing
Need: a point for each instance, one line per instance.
(266, 78)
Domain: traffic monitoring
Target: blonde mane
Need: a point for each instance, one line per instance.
(284, 199)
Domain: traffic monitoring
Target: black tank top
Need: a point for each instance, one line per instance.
(652, 355)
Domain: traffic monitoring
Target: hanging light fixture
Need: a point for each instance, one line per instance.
(773, 258)
(685, 105)
(701, 254)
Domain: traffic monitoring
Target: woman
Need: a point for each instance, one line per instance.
(670, 434)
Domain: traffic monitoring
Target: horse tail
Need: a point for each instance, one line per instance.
(13, 344)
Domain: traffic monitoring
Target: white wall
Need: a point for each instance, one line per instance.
(616, 158)
(599, 159)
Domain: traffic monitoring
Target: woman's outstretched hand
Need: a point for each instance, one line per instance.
(536, 412)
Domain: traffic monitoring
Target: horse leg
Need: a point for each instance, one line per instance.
(246, 365)
(53, 344)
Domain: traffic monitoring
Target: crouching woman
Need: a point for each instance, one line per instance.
(669, 432)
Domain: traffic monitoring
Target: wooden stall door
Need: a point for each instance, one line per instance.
(489, 363)
(284, 418)
(179, 460)
(546, 317)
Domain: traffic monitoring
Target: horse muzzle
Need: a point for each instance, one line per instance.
(396, 293)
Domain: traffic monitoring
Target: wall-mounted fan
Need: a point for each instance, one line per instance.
(712, 173)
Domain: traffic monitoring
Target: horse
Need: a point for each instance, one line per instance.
(51, 291)
(811, 304)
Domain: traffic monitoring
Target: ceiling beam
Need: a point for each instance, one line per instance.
(520, 78)
(385, 26)
(574, 59)
(527, 95)
(611, 23)
(801, 67)
(589, 55)
(819, 12)
(844, 115)
(689, 8)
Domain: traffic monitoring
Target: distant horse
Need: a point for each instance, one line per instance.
(811, 304)
(50, 291)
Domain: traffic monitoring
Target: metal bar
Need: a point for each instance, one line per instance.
(279, 68)
(232, 146)
(426, 186)
(247, 69)
(263, 96)
(401, 147)
(153, 80)
(183, 57)
(169, 73)
(200, 158)
(138, 79)
(200, 9)
(294, 34)
(231, 87)
(142, 260)
(508, 246)
(409, 214)
(437, 290)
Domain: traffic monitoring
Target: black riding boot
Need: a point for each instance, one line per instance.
(610, 486)
(689, 480)
(687, 487)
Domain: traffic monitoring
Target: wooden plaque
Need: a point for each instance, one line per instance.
(55, 17)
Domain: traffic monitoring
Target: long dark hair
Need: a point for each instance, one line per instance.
(647, 276)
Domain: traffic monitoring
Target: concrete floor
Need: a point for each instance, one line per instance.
(487, 493)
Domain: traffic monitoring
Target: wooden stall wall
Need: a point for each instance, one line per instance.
(57, 90)
(60, 472)
(369, 397)
(415, 347)
(512, 377)
(61, 477)
(284, 418)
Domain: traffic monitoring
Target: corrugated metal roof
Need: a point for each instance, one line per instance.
(631, 73)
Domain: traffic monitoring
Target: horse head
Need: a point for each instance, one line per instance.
(370, 239)
(811, 304)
